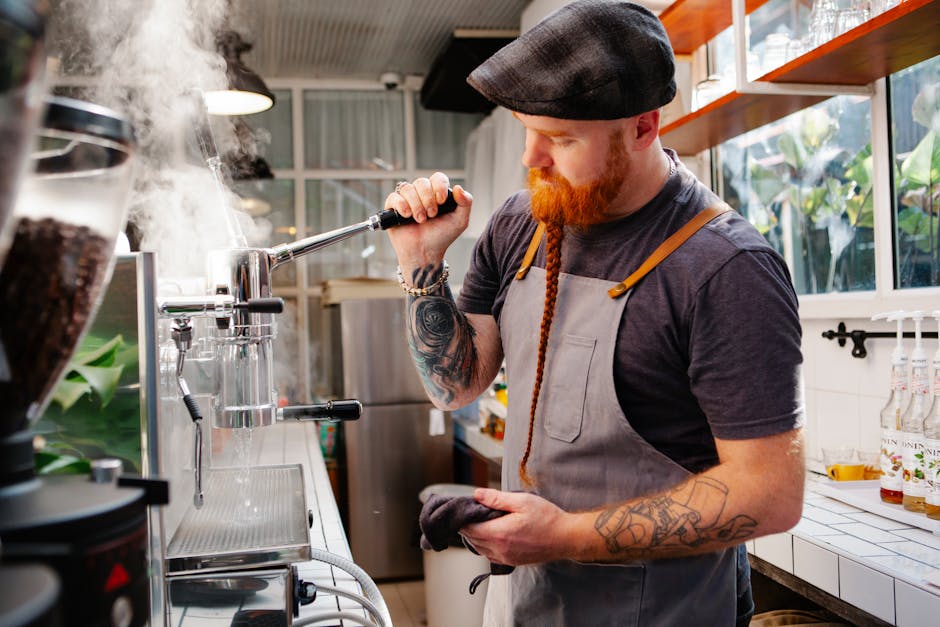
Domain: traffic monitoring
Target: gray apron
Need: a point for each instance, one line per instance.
(584, 455)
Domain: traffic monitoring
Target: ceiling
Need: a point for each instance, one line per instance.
(305, 39)
(360, 39)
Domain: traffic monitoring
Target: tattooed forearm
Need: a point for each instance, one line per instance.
(689, 516)
(441, 340)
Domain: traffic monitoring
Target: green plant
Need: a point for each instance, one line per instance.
(918, 184)
(95, 410)
(827, 192)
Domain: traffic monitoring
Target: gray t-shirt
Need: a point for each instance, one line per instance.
(709, 344)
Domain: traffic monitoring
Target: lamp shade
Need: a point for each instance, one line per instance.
(246, 93)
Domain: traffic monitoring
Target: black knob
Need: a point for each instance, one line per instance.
(389, 218)
(262, 305)
(349, 409)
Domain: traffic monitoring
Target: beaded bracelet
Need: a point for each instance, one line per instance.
(423, 291)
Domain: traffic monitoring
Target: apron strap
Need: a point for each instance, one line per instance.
(668, 247)
(530, 253)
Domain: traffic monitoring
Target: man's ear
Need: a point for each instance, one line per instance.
(647, 128)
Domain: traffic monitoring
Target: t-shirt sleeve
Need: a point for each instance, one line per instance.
(493, 257)
(481, 282)
(745, 355)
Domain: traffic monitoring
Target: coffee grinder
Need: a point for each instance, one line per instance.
(90, 531)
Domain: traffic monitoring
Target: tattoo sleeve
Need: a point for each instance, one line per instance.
(440, 338)
(688, 516)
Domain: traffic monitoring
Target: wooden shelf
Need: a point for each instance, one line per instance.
(892, 41)
(692, 23)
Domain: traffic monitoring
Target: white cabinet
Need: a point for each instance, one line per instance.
(866, 589)
(915, 607)
(776, 549)
(816, 565)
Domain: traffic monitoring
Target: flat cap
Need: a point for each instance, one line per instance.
(589, 60)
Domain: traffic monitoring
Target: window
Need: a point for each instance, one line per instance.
(806, 183)
(915, 125)
(354, 130)
(334, 171)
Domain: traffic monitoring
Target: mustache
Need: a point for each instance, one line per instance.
(544, 176)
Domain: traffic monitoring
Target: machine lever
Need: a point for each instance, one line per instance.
(272, 305)
(348, 409)
(389, 218)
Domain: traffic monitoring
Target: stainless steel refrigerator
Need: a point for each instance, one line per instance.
(390, 454)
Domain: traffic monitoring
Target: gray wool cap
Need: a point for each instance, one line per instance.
(589, 60)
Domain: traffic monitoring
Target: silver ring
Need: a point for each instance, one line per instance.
(399, 185)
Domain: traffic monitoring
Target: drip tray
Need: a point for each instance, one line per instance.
(251, 517)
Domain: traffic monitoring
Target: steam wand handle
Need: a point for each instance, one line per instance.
(271, 305)
(390, 218)
(348, 409)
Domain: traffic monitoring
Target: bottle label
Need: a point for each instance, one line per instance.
(891, 464)
(920, 381)
(912, 458)
(932, 471)
(898, 379)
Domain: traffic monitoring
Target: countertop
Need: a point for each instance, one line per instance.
(467, 430)
(874, 556)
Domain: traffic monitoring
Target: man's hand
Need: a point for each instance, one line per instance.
(421, 245)
(533, 531)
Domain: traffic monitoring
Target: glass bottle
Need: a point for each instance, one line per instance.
(891, 468)
(932, 443)
(912, 425)
(932, 460)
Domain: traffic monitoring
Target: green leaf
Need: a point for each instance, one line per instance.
(68, 392)
(922, 166)
(90, 353)
(817, 127)
(793, 151)
(926, 107)
(52, 464)
(103, 380)
(913, 221)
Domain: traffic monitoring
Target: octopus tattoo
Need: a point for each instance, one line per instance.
(676, 520)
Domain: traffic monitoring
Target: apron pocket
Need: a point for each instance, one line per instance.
(566, 387)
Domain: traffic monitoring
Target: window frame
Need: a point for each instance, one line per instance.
(301, 292)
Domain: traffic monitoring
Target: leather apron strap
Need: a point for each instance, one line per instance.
(530, 252)
(664, 250)
(668, 247)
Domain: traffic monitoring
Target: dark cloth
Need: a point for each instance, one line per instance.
(590, 60)
(441, 520)
(709, 344)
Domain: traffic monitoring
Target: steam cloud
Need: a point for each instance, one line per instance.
(150, 59)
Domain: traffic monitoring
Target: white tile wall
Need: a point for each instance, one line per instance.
(832, 375)
(816, 565)
(915, 607)
(866, 589)
(837, 419)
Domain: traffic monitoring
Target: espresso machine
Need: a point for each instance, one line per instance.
(240, 527)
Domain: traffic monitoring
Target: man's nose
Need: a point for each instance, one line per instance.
(536, 152)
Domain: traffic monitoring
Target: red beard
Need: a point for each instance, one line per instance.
(556, 201)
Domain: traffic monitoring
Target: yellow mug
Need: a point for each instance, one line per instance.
(846, 472)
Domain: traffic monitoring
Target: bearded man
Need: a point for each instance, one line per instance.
(650, 336)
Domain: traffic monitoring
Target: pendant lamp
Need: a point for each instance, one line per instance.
(247, 93)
